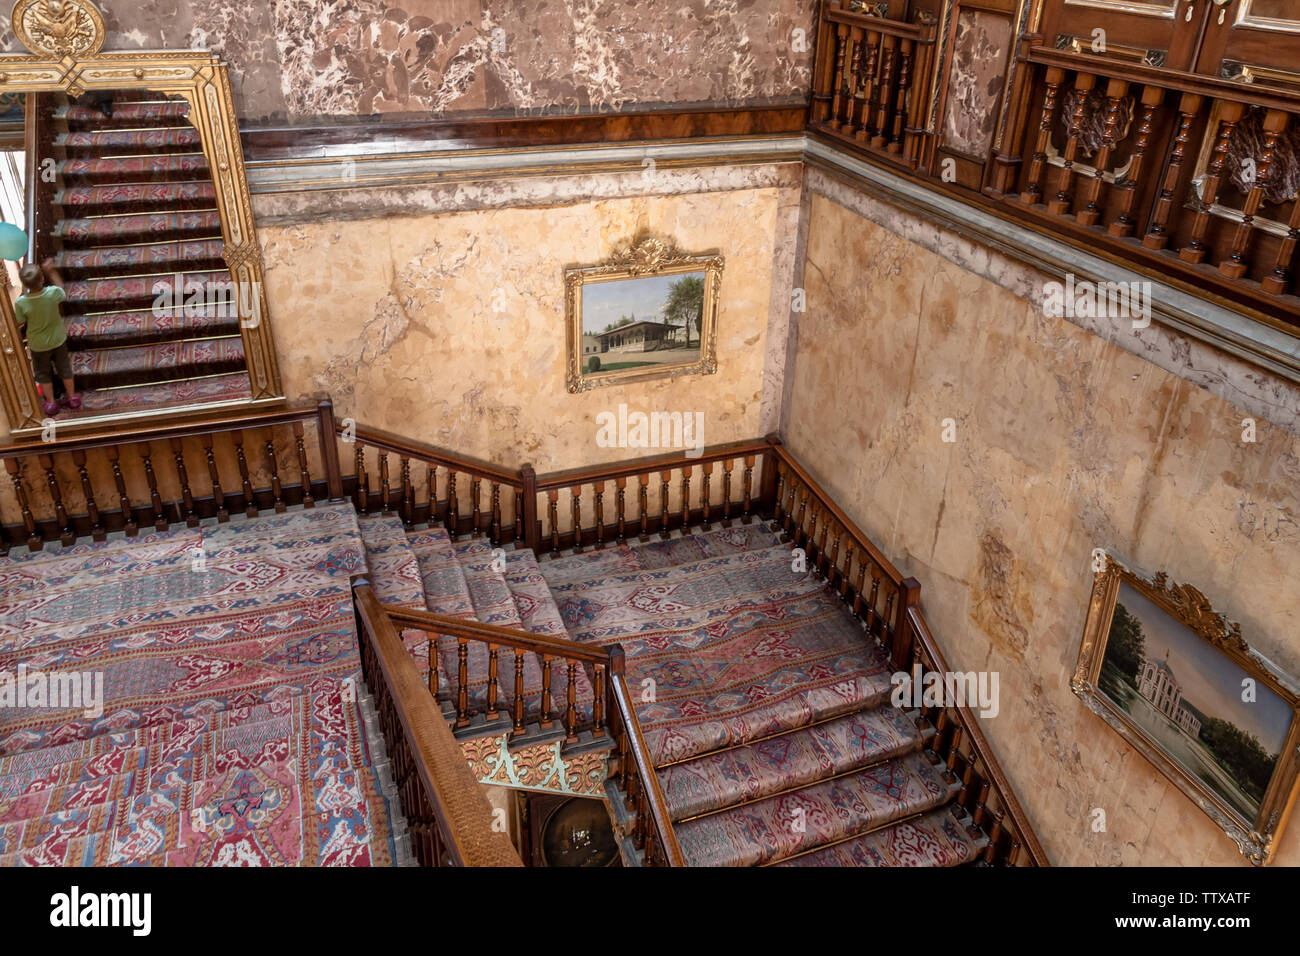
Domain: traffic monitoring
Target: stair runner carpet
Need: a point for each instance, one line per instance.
(764, 706)
(135, 208)
(230, 731)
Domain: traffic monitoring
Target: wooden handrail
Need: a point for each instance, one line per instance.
(462, 812)
(979, 743)
(419, 451)
(494, 634)
(896, 28)
(572, 477)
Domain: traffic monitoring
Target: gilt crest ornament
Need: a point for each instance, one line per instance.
(59, 28)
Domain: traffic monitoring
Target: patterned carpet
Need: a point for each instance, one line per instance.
(228, 729)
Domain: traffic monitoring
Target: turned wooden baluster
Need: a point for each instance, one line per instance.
(492, 712)
(854, 80)
(1276, 282)
(476, 513)
(408, 491)
(432, 650)
(871, 92)
(182, 475)
(1157, 236)
(1060, 206)
(748, 487)
(462, 682)
(687, 471)
(571, 706)
(620, 507)
(706, 496)
(873, 616)
(553, 516)
(664, 477)
(304, 472)
(277, 493)
(995, 837)
(904, 87)
(833, 574)
(518, 727)
(1195, 250)
(598, 702)
(841, 33)
(1234, 267)
(778, 507)
(519, 514)
(431, 480)
(575, 507)
(886, 81)
(15, 469)
(246, 486)
(160, 521)
(1033, 193)
(599, 488)
(1090, 214)
(385, 490)
(810, 537)
(544, 718)
(727, 465)
(363, 481)
(131, 526)
(847, 574)
(496, 513)
(643, 505)
(66, 535)
(453, 505)
(787, 523)
(1123, 225)
(214, 476)
(88, 492)
(857, 589)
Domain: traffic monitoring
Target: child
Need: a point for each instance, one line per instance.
(47, 336)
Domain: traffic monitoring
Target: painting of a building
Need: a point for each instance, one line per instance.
(1157, 683)
(639, 336)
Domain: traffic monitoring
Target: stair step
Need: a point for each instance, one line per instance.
(213, 289)
(199, 391)
(825, 812)
(164, 167)
(937, 838)
(788, 761)
(161, 362)
(147, 326)
(152, 258)
(135, 197)
(140, 227)
(108, 142)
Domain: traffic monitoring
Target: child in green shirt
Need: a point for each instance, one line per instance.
(47, 337)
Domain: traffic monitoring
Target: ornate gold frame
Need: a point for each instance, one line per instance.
(1256, 839)
(66, 58)
(644, 256)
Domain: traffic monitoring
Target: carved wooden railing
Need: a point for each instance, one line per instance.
(872, 83)
(449, 817)
(888, 605)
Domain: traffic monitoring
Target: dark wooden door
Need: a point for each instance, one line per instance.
(1255, 41)
(1156, 32)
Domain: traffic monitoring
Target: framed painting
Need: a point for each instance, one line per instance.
(649, 311)
(1181, 684)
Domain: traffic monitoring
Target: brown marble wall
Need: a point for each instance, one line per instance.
(319, 60)
(1065, 443)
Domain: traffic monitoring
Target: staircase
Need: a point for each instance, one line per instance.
(135, 231)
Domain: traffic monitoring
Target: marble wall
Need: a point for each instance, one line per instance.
(1065, 443)
(320, 60)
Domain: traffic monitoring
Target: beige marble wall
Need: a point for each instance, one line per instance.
(1064, 443)
(450, 328)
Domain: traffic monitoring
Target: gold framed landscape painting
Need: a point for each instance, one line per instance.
(1181, 684)
(649, 311)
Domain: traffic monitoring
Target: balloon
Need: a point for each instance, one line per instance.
(13, 241)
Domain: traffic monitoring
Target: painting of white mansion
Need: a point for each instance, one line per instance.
(1156, 682)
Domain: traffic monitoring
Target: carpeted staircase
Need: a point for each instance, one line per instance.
(135, 214)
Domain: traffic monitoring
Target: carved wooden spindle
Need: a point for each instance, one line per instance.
(1234, 267)
(66, 535)
(214, 477)
(832, 565)
(476, 513)
(664, 478)
(155, 499)
(15, 468)
(748, 488)
(872, 88)
(304, 472)
(519, 514)
(845, 578)
(727, 465)
(857, 589)
(186, 511)
(853, 80)
(553, 516)
(1033, 193)
(706, 496)
(131, 526)
(1277, 281)
(837, 102)
(545, 719)
(462, 682)
(385, 486)
(571, 706)
(518, 726)
(496, 513)
(620, 507)
(363, 483)
(1230, 114)
(432, 651)
(995, 838)
(778, 510)
(246, 486)
(643, 505)
(1060, 205)
(453, 505)
(1123, 226)
(598, 702)
(277, 493)
(687, 471)
(492, 712)
(873, 615)
(886, 82)
(575, 506)
(904, 88)
(97, 532)
(1157, 236)
(1090, 214)
(599, 488)
(408, 491)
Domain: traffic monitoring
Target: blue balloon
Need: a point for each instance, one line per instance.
(13, 241)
